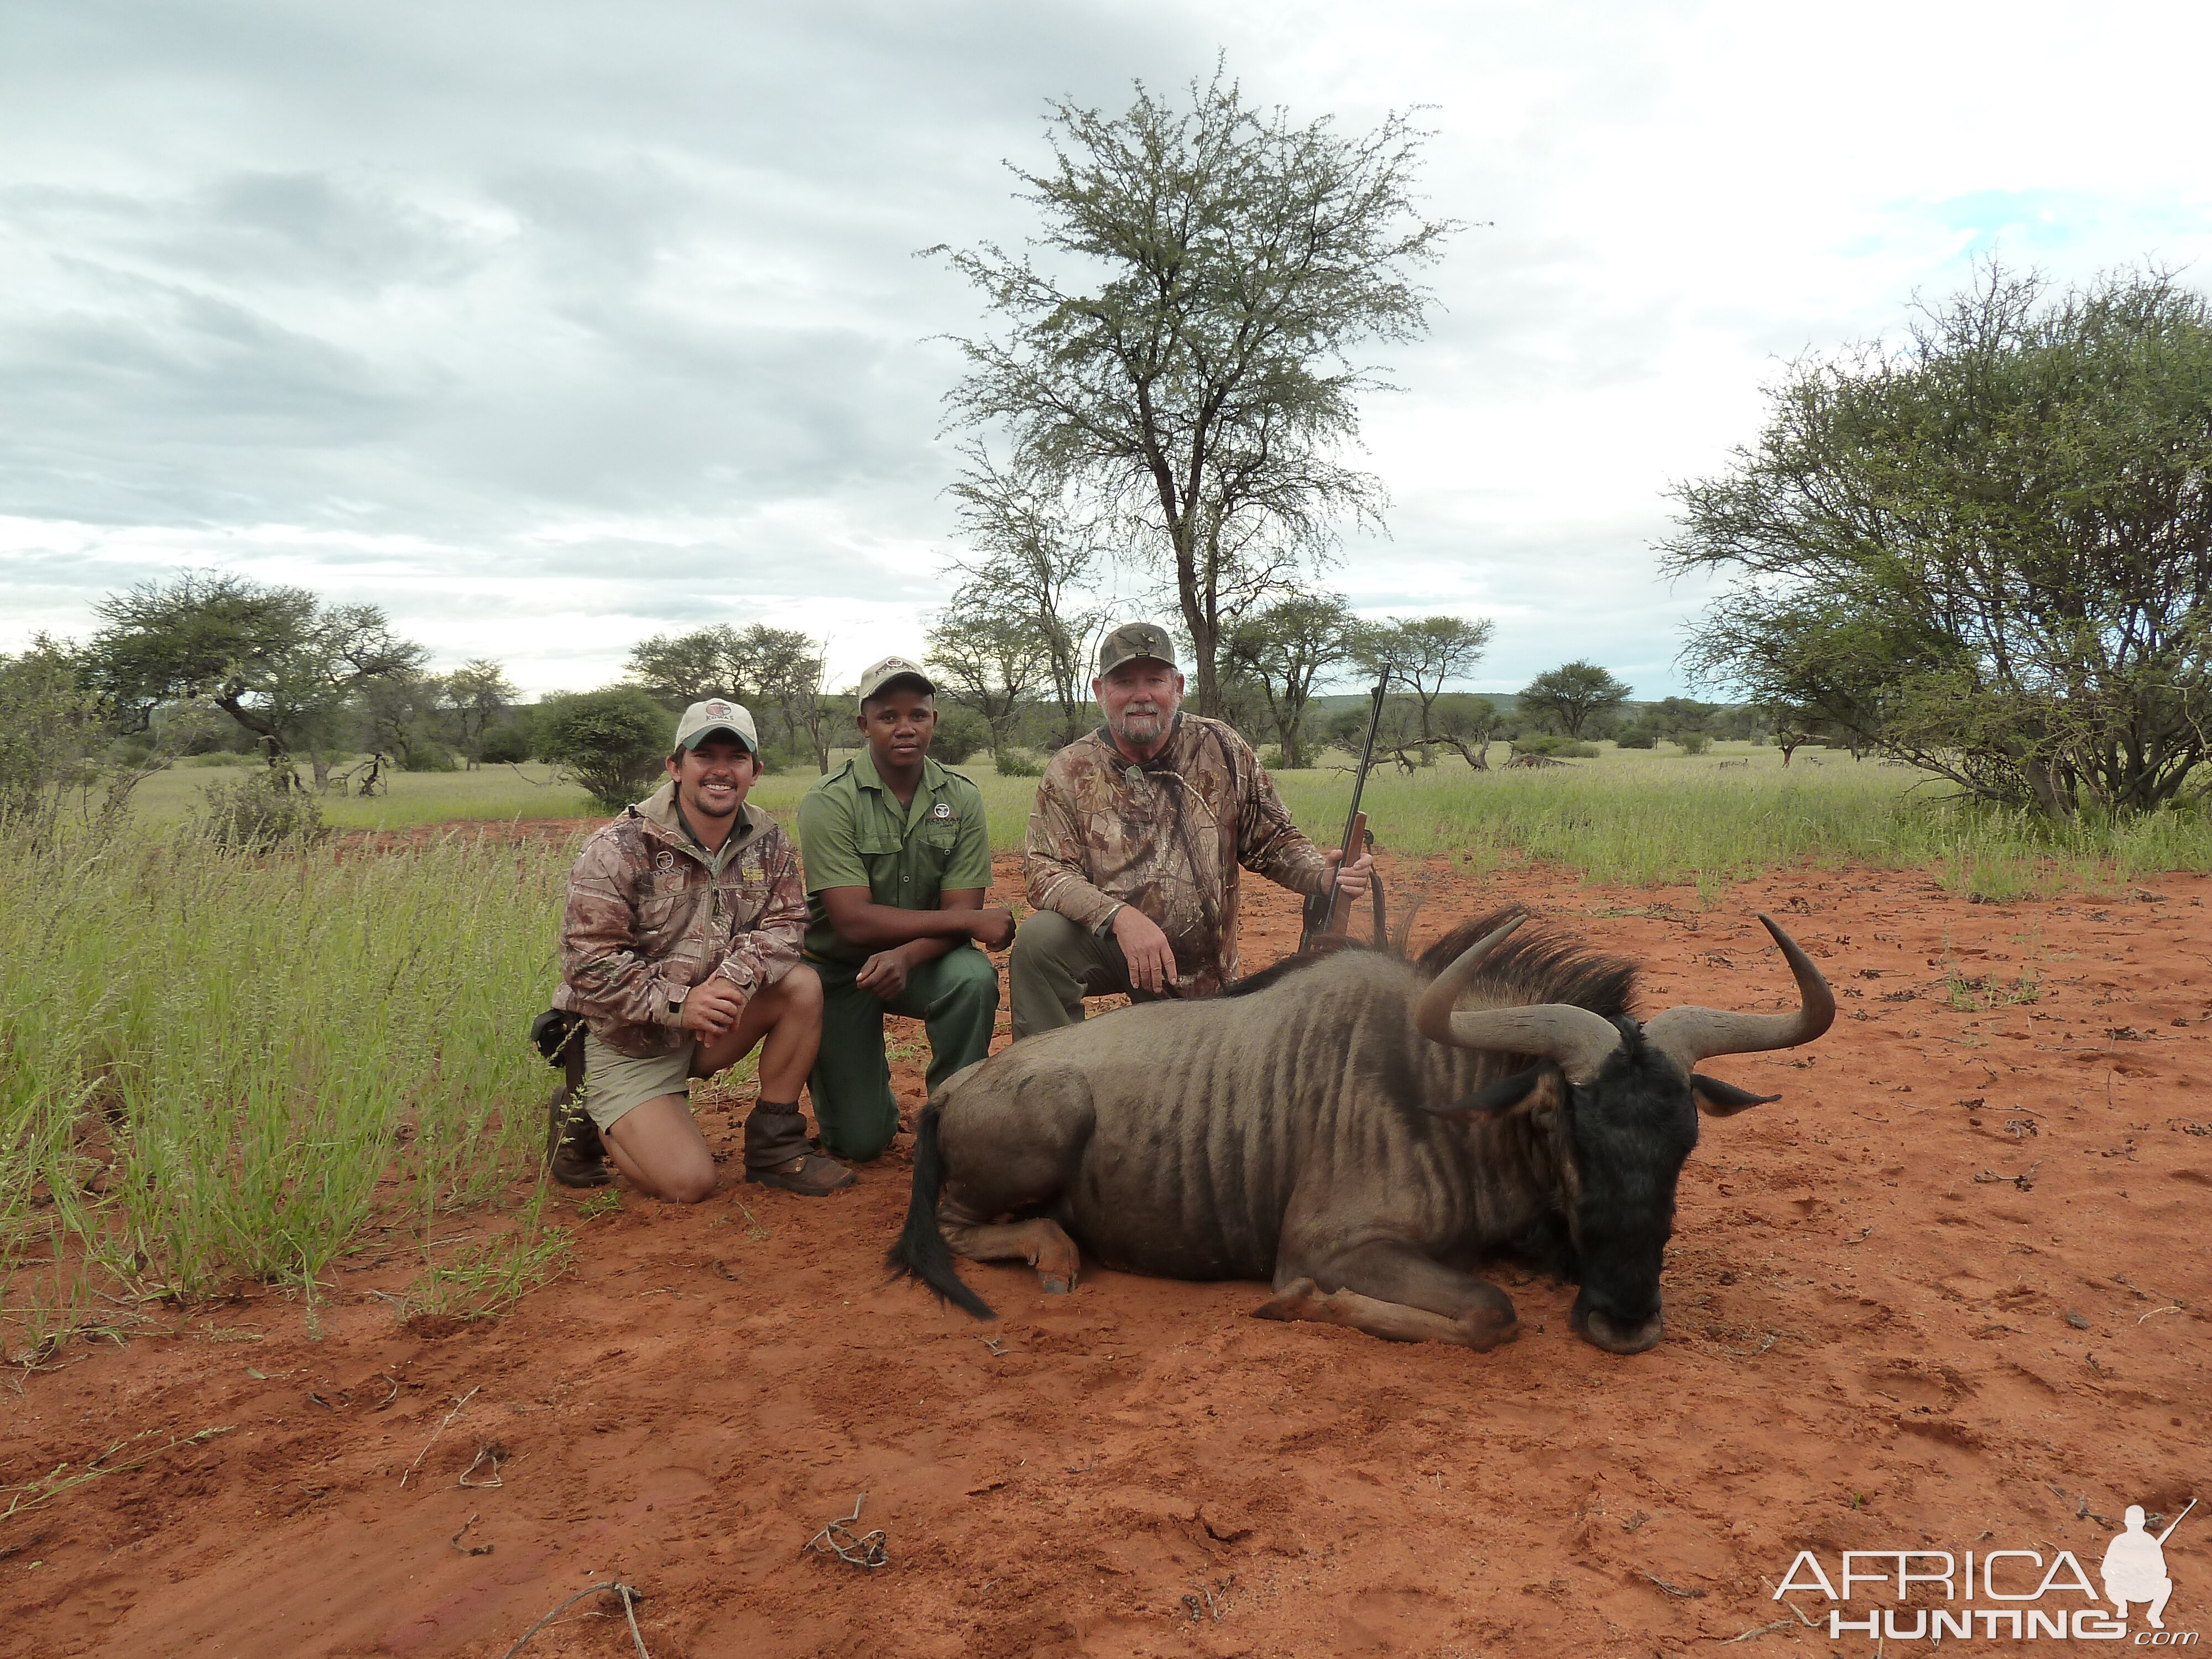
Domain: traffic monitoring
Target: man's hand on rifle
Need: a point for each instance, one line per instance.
(1146, 948)
(1352, 879)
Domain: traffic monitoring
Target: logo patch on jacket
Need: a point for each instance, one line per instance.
(663, 860)
(942, 811)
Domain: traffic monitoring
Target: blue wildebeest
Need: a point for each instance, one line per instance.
(1361, 1131)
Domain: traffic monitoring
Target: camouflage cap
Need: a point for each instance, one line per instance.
(876, 676)
(1132, 640)
(717, 717)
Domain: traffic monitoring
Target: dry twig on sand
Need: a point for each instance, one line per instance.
(624, 1591)
(435, 1432)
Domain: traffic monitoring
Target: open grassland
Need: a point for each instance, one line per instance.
(220, 1069)
(414, 798)
(1628, 815)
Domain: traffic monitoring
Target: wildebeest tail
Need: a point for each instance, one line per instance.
(921, 1251)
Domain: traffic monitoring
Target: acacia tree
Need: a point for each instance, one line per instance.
(1572, 692)
(476, 694)
(1420, 655)
(278, 660)
(776, 672)
(679, 669)
(1987, 550)
(1203, 383)
(987, 659)
(1288, 649)
(1034, 549)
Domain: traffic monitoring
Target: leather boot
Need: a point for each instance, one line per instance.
(574, 1151)
(777, 1153)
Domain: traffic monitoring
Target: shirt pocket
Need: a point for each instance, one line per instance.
(661, 920)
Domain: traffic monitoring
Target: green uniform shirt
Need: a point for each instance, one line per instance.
(851, 833)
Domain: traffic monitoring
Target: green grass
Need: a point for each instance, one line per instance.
(496, 792)
(218, 1068)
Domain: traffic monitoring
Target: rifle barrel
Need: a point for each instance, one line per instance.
(2178, 1520)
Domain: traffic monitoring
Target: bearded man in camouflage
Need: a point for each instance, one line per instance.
(1135, 843)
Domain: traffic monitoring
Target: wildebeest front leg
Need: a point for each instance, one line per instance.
(1013, 1154)
(1041, 1242)
(1394, 1291)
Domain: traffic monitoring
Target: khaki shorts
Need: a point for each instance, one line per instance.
(614, 1084)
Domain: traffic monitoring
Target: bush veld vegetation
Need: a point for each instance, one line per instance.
(219, 1068)
(1986, 550)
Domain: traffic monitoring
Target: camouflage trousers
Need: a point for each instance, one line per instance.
(1056, 963)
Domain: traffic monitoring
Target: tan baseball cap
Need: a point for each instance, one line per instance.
(876, 676)
(1134, 639)
(717, 717)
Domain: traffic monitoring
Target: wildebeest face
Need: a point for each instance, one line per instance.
(1629, 1132)
(1626, 1098)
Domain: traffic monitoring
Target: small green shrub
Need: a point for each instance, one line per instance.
(1636, 738)
(1556, 748)
(1013, 763)
(613, 742)
(217, 757)
(504, 745)
(428, 757)
(962, 734)
(258, 813)
(1695, 742)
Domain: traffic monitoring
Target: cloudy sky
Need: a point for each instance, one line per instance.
(552, 325)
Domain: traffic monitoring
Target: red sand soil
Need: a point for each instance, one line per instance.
(1951, 1290)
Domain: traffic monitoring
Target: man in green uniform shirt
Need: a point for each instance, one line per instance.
(897, 862)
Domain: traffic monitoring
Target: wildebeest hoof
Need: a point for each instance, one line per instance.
(1602, 1330)
(1289, 1302)
(1485, 1330)
(1054, 1286)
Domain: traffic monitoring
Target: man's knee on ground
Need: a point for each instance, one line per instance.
(689, 1187)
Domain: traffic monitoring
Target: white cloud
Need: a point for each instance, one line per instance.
(552, 326)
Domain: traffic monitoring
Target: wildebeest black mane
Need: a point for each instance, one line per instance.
(1528, 968)
(1535, 967)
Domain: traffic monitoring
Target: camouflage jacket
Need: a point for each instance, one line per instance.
(651, 915)
(1166, 835)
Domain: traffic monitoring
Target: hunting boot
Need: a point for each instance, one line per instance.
(778, 1153)
(574, 1151)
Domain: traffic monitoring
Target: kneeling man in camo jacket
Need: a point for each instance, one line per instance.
(680, 950)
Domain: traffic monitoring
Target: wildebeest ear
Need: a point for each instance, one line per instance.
(1536, 1086)
(1719, 1099)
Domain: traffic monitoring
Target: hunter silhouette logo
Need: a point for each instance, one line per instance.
(2027, 1596)
(720, 711)
(2135, 1567)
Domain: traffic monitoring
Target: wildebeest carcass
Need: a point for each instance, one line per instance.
(1361, 1131)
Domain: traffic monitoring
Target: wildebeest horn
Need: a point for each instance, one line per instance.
(1690, 1034)
(1578, 1039)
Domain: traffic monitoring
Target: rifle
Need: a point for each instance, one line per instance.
(1329, 911)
